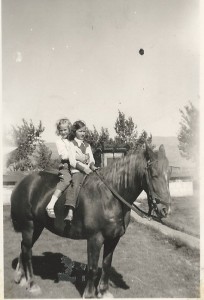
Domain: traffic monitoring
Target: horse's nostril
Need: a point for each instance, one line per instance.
(164, 212)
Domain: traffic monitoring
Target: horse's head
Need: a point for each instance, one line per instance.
(157, 180)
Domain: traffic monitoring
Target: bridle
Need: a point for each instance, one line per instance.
(151, 195)
(154, 199)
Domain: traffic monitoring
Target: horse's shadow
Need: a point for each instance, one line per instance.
(57, 267)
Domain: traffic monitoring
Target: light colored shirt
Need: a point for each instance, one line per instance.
(78, 148)
(63, 148)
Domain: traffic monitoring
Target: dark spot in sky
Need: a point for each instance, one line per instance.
(141, 51)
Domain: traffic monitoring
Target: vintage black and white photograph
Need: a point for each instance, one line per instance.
(101, 110)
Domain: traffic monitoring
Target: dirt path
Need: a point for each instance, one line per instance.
(145, 264)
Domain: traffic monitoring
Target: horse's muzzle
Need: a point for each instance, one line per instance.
(162, 210)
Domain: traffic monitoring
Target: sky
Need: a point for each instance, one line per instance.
(80, 59)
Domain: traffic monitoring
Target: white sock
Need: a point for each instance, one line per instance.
(70, 212)
(52, 202)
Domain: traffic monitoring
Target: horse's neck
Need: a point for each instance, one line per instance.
(126, 182)
(131, 189)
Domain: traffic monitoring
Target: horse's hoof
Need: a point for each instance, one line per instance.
(23, 281)
(17, 276)
(85, 296)
(105, 295)
(35, 289)
(99, 295)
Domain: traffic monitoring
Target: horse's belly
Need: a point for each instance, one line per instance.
(113, 229)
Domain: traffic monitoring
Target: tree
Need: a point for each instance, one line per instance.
(97, 139)
(144, 137)
(43, 157)
(125, 130)
(26, 137)
(189, 132)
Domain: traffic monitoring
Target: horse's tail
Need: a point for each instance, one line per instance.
(29, 197)
(21, 208)
(17, 226)
(16, 220)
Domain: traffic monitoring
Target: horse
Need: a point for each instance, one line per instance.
(99, 217)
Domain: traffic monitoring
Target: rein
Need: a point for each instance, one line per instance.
(133, 207)
(153, 197)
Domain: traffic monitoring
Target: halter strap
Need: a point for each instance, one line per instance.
(133, 207)
(153, 197)
(151, 193)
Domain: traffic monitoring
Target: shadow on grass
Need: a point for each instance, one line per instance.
(57, 267)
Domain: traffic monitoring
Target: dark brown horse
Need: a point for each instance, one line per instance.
(100, 217)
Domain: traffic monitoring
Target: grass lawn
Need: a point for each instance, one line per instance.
(185, 214)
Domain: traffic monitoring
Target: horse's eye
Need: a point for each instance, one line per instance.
(155, 176)
(154, 173)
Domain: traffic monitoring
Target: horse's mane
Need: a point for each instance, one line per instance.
(122, 172)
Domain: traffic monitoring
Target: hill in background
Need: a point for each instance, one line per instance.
(172, 151)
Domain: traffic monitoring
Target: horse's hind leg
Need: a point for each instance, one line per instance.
(19, 275)
(94, 245)
(24, 271)
(109, 247)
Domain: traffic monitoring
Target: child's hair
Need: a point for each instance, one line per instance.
(63, 121)
(77, 125)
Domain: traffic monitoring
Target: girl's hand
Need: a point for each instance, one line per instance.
(87, 157)
(93, 168)
(87, 171)
(81, 157)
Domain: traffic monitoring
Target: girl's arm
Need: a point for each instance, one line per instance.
(63, 148)
(91, 159)
(80, 156)
(76, 164)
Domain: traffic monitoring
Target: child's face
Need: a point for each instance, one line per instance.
(63, 130)
(80, 133)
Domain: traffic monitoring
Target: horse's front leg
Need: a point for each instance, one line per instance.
(109, 247)
(150, 208)
(94, 245)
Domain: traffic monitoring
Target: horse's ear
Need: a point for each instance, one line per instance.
(144, 146)
(162, 152)
(149, 154)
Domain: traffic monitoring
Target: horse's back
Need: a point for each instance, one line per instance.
(38, 182)
(97, 210)
(29, 194)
